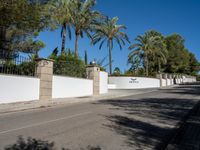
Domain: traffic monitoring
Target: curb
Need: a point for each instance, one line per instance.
(63, 102)
(171, 145)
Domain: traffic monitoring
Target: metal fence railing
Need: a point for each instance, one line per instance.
(13, 63)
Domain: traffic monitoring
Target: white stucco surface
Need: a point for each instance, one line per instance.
(164, 82)
(134, 82)
(18, 89)
(168, 82)
(103, 82)
(66, 87)
(112, 86)
(189, 79)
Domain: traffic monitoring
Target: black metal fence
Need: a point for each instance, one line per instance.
(13, 63)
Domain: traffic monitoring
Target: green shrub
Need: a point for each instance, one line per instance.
(68, 65)
(27, 68)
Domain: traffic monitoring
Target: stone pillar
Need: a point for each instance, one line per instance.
(159, 76)
(177, 79)
(165, 77)
(44, 71)
(194, 79)
(181, 77)
(93, 73)
(174, 79)
(171, 79)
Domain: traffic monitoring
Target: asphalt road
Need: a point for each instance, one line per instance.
(143, 121)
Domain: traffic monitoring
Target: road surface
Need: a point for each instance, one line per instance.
(143, 121)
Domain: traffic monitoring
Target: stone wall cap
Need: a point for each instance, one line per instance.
(39, 59)
(92, 66)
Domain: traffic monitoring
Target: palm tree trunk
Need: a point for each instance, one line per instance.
(159, 67)
(64, 32)
(3, 38)
(76, 43)
(110, 57)
(37, 54)
(147, 65)
(147, 68)
(137, 70)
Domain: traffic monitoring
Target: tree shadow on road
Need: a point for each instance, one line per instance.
(37, 144)
(141, 134)
(186, 90)
(148, 122)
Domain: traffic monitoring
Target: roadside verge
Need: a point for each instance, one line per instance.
(23, 106)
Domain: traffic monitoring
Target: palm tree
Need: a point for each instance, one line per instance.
(64, 29)
(135, 61)
(62, 14)
(160, 53)
(110, 32)
(148, 45)
(117, 71)
(86, 58)
(84, 20)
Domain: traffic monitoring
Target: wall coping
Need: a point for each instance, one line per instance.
(73, 77)
(92, 66)
(14, 75)
(39, 59)
(104, 71)
(130, 77)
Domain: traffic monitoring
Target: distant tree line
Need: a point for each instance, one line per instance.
(154, 53)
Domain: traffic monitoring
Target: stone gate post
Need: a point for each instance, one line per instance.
(93, 73)
(44, 71)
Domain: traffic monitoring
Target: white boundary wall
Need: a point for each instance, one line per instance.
(164, 82)
(168, 82)
(18, 89)
(172, 81)
(103, 82)
(187, 80)
(66, 87)
(133, 82)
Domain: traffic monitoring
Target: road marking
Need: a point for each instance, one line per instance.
(45, 122)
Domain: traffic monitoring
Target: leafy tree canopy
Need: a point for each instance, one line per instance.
(155, 53)
(149, 50)
(179, 59)
(20, 22)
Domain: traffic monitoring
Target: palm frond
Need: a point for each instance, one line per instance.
(103, 41)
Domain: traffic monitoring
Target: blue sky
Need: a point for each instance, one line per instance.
(165, 16)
